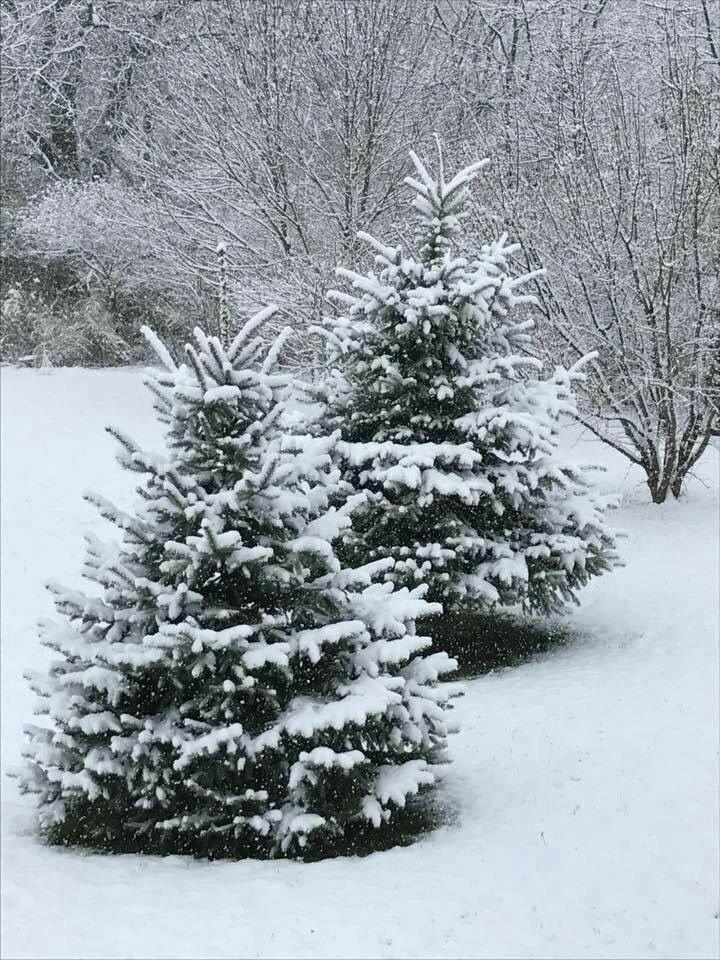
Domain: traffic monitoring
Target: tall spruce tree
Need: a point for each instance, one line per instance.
(449, 428)
(231, 689)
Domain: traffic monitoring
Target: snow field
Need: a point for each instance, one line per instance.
(583, 795)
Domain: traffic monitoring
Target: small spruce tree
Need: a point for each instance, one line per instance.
(449, 428)
(231, 689)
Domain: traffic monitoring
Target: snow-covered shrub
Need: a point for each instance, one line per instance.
(37, 332)
(232, 689)
(85, 258)
(449, 427)
(83, 225)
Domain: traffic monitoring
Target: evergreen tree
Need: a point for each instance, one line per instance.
(449, 428)
(231, 689)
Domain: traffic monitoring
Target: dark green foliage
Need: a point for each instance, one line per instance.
(483, 642)
(102, 828)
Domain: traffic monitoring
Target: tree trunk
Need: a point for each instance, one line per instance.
(658, 485)
(677, 484)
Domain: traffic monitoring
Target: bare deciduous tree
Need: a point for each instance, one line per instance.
(615, 190)
(288, 133)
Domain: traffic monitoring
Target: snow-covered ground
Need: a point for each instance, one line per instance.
(585, 786)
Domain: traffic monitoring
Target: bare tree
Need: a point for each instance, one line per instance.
(68, 70)
(289, 132)
(611, 182)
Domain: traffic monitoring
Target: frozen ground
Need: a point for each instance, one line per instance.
(585, 785)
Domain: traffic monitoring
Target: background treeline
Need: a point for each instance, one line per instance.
(137, 136)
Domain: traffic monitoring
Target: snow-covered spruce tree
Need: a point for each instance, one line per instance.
(447, 424)
(231, 690)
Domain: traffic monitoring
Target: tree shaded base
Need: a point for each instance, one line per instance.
(99, 828)
(482, 642)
